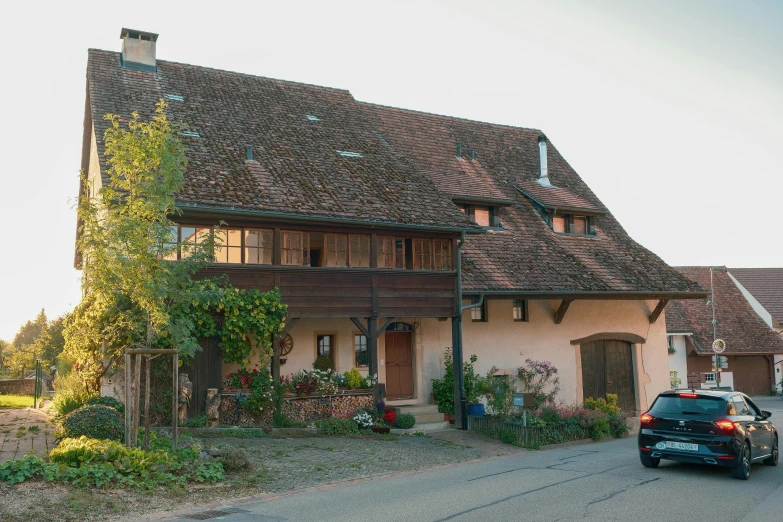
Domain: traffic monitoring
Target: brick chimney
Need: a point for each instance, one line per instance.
(138, 50)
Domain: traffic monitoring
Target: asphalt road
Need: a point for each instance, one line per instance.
(597, 481)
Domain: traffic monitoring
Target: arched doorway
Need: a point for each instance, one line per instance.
(607, 367)
(399, 361)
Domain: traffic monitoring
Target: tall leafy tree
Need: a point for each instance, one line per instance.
(134, 296)
(24, 349)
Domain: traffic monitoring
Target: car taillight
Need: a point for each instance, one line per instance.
(726, 425)
(646, 418)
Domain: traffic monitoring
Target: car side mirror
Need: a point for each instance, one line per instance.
(765, 414)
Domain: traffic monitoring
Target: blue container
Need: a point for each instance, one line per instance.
(476, 410)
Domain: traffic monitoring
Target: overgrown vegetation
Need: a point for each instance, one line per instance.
(104, 463)
(94, 421)
(70, 393)
(332, 426)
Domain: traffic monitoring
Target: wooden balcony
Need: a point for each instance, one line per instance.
(350, 292)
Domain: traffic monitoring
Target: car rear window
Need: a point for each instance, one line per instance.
(690, 405)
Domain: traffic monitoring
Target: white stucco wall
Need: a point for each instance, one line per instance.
(506, 344)
(678, 361)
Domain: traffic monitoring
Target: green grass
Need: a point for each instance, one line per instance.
(16, 401)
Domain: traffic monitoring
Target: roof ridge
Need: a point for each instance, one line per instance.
(238, 73)
(448, 116)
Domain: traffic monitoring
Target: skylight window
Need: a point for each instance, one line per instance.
(348, 154)
(191, 134)
(312, 117)
(175, 97)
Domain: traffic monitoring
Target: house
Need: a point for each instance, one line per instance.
(750, 344)
(763, 288)
(380, 225)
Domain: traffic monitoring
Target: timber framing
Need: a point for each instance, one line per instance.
(656, 313)
(562, 309)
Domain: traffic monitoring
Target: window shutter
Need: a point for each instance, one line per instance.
(306, 249)
(359, 255)
(265, 255)
(342, 250)
(399, 253)
(442, 254)
(336, 249)
(422, 254)
(385, 247)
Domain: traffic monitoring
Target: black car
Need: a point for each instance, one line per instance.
(719, 428)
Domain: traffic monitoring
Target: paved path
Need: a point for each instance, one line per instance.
(16, 437)
(596, 481)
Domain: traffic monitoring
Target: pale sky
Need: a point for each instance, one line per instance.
(671, 111)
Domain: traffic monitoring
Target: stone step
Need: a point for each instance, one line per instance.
(418, 409)
(423, 427)
(429, 417)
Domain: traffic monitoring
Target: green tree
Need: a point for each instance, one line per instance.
(24, 349)
(3, 347)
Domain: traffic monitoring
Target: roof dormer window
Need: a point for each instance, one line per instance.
(484, 216)
(573, 225)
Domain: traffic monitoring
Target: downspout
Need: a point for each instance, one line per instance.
(460, 403)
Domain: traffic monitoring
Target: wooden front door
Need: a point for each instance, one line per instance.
(399, 365)
(204, 371)
(607, 367)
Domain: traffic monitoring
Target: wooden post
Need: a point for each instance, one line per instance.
(136, 400)
(128, 400)
(175, 403)
(147, 365)
(276, 359)
(372, 345)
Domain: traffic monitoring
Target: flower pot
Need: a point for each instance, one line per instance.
(380, 429)
(448, 417)
(476, 410)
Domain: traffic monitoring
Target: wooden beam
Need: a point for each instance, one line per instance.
(288, 326)
(360, 326)
(658, 310)
(561, 311)
(372, 346)
(383, 327)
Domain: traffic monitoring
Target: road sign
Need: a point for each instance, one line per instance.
(719, 361)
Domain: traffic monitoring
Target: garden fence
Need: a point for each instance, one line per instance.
(525, 436)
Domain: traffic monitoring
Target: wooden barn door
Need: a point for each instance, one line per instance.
(607, 367)
(399, 365)
(204, 371)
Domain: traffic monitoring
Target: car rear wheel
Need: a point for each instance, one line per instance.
(742, 469)
(773, 459)
(648, 461)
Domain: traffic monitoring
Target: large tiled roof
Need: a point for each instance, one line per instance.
(298, 169)
(766, 285)
(737, 323)
(525, 255)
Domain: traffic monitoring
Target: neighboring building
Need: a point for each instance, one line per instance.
(750, 344)
(763, 288)
(377, 224)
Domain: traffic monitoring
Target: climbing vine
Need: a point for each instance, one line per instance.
(247, 319)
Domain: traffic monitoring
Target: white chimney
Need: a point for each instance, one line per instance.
(543, 177)
(138, 50)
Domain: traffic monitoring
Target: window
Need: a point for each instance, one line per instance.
(359, 250)
(258, 246)
(481, 215)
(295, 248)
(570, 224)
(709, 377)
(519, 310)
(361, 359)
(740, 406)
(336, 249)
(193, 235)
(579, 225)
(170, 246)
(228, 245)
(386, 251)
(479, 313)
(422, 254)
(442, 254)
(325, 346)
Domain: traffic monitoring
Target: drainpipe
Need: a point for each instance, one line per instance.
(460, 403)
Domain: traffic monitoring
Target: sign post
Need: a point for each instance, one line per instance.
(718, 346)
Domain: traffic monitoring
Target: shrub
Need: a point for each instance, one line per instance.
(332, 426)
(323, 363)
(70, 393)
(111, 402)
(539, 378)
(201, 421)
(233, 458)
(507, 436)
(304, 383)
(617, 425)
(608, 405)
(99, 463)
(499, 391)
(390, 416)
(443, 388)
(95, 421)
(405, 420)
(353, 379)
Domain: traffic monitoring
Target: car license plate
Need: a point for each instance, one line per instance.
(677, 445)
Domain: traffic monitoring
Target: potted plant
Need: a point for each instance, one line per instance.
(475, 388)
(443, 388)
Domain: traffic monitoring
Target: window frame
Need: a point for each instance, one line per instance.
(569, 220)
(484, 318)
(257, 248)
(332, 346)
(524, 312)
(357, 333)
